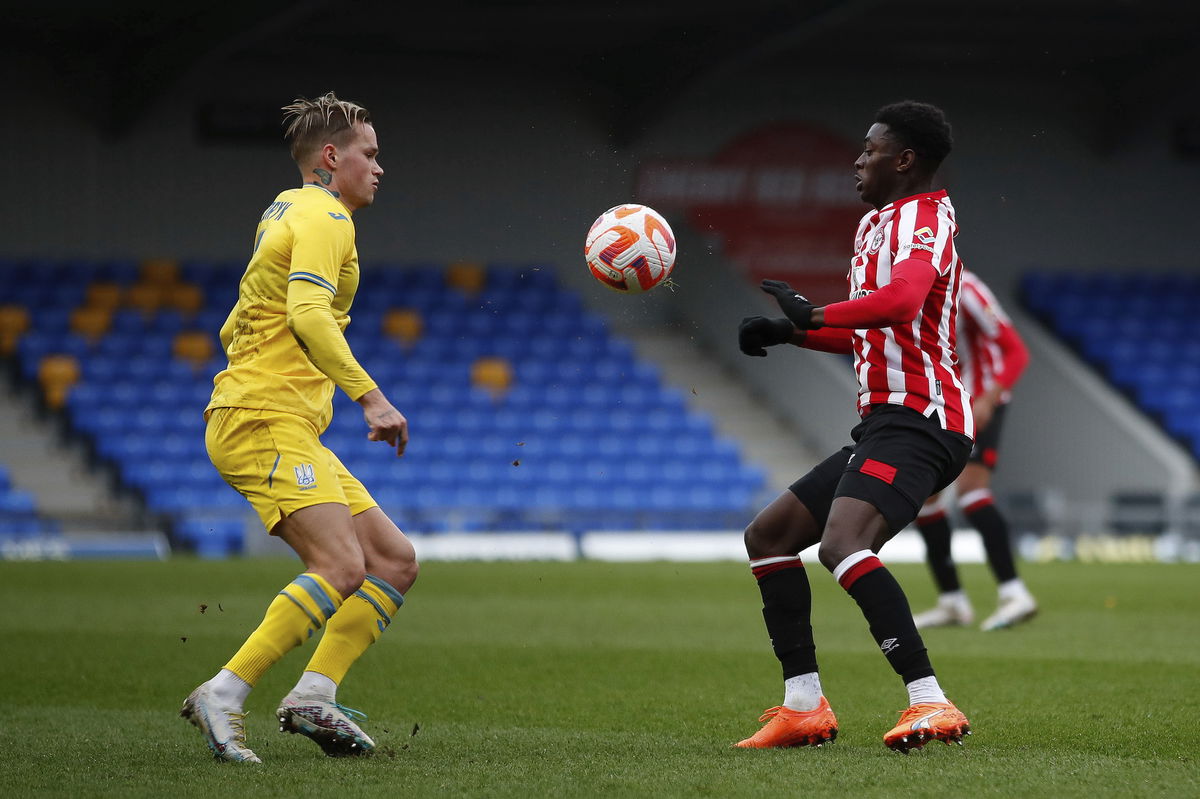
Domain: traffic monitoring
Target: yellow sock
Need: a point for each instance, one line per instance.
(299, 610)
(357, 625)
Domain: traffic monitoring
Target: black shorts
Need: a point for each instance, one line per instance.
(987, 440)
(899, 458)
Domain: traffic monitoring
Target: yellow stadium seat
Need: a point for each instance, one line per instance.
(103, 295)
(14, 321)
(194, 346)
(56, 375)
(186, 298)
(494, 375)
(160, 272)
(144, 297)
(91, 321)
(403, 324)
(466, 276)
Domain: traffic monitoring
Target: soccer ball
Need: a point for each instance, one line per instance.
(630, 248)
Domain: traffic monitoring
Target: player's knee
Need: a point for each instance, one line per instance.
(404, 572)
(830, 553)
(398, 567)
(838, 543)
(758, 538)
(349, 579)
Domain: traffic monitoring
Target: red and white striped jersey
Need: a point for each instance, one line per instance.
(914, 365)
(984, 333)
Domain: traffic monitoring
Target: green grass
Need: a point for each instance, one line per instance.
(592, 679)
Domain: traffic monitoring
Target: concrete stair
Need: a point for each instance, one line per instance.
(55, 470)
(736, 412)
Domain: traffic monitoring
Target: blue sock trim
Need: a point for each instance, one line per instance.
(387, 589)
(314, 590)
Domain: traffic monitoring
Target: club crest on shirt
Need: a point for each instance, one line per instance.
(877, 241)
(305, 477)
(924, 235)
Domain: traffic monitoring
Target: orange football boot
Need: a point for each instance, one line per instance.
(786, 727)
(927, 721)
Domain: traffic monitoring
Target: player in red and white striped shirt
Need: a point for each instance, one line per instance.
(994, 356)
(914, 438)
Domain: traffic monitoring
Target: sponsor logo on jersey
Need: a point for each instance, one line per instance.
(342, 217)
(924, 235)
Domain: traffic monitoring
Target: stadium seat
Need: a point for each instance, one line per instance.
(193, 346)
(14, 322)
(56, 375)
(573, 405)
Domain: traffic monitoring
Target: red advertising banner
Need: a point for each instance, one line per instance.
(781, 199)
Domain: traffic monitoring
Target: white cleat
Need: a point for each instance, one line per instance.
(1012, 610)
(330, 725)
(951, 610)
(223, 728)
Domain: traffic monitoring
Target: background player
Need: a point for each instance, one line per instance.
(994, 356)
(287, 352)
(913, 440)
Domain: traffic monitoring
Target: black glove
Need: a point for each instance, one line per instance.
(757, 332)
(793, 305)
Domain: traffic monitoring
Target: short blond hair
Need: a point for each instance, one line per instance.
(313, 123)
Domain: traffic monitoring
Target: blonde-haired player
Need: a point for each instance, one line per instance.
(287, 354)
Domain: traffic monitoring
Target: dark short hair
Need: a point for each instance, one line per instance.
(919, 127)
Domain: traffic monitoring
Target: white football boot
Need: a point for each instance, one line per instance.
(1016, 605)
(224, 727)
(951, 610)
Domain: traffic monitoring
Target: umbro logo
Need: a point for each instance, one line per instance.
(889, 644)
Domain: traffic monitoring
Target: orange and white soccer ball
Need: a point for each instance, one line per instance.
(630, 248)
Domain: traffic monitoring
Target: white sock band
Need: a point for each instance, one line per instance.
(971, 497)
(931, 509)
(754, 564)
(850, 562)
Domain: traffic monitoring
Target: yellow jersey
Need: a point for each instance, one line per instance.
(285, 335)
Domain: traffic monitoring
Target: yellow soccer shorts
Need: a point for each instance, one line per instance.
(277, 462)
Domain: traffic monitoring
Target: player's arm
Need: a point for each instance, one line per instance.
(897, 303)
(310, 318)
(756, 333)
(1014, 356)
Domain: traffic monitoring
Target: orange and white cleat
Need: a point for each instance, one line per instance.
(786, 727)
(927, 721)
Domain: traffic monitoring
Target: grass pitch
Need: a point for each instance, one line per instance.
(595, 679)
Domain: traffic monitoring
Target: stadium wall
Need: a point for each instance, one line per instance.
(500, 164)
(496, 164)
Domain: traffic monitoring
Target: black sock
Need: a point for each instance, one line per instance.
(994, 529)
(886, 609)
(787, 609)
(936, 532)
